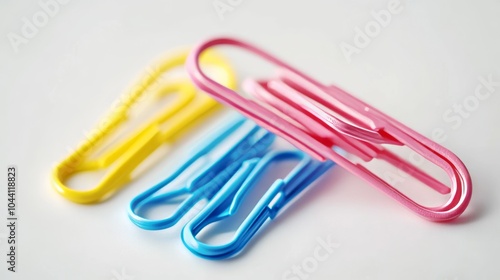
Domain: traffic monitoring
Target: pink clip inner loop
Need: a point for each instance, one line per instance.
(316, 117)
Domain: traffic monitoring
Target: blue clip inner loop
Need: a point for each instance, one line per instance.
(252, 142)
(228, 200)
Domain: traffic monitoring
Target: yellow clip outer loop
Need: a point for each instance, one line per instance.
(189, 106)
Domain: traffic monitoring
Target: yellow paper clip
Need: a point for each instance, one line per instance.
(189, 106)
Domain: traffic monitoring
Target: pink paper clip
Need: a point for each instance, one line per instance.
(316, 118)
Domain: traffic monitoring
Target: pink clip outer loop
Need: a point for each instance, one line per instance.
(359, 129)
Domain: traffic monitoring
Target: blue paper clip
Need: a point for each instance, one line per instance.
(227, 201)
(252, 142)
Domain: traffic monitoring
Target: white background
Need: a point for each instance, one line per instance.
(60, 83)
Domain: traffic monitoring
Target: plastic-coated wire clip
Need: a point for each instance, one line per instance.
(188, 108)
(316, 118)
(251, 142)
(227, 201)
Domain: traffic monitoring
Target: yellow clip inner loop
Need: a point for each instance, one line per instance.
(189, 107)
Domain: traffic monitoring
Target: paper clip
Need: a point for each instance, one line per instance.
(316, 117)
(189, 107)
(228, 200)
(251, 141)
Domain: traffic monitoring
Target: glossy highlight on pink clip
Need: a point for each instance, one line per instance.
(316, 118)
